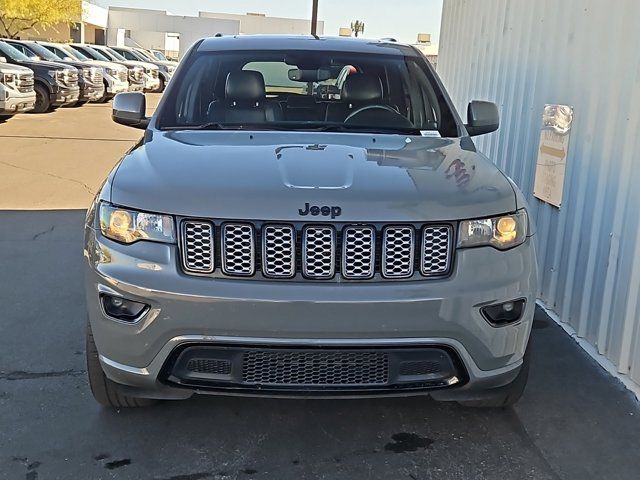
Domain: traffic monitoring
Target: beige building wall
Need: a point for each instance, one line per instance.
(55, 33)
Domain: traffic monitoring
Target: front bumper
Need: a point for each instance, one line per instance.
(91, 93)
(115, 86)
(187, 310)
(151, 84)
(65, 96)
(136, 87)
(12, 102)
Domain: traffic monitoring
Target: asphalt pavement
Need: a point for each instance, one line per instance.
(574, 422)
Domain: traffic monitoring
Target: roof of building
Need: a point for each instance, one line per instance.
(304, 42)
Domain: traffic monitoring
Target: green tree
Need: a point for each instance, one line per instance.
(17, 16)
(357, 27)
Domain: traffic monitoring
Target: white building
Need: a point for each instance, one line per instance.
(161, 30)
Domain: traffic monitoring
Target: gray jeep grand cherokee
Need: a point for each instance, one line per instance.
(307, 217)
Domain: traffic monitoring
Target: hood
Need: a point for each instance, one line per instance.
(35, 64)
(167, 63)
(100, 63)
(77, 64)
(272, 175)
(136, 63)
(13, 68)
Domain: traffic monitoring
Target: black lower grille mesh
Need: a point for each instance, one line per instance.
(419, 367)
(315, 368)
(211, 366)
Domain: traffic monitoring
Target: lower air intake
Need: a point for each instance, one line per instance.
(263, 367)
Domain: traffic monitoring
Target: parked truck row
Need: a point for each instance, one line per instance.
(38, 76)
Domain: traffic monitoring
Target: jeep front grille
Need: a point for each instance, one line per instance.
(436, 243)
(197, 246)
(316, 252)
(358, 252)
(279, 251)
(397, 252)
(238, 249)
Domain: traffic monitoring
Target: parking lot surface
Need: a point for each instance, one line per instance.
(574, 422)
(59, 159)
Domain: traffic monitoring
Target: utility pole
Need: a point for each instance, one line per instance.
(314, 18)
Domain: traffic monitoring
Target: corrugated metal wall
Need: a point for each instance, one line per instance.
(523, 54)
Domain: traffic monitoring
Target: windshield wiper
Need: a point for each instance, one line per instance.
(364, 129)
(203, 126)
(228, 126)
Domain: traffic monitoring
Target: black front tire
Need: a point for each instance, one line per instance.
(509, 394)
(43, 102)
(105, 391)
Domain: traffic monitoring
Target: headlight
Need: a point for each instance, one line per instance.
(128, 226)
(503, 232)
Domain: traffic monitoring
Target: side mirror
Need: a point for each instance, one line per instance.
(3, 60)
(482, 117)
(130, 109)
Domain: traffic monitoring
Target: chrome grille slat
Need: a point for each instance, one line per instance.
(197, 246)
(436, 250)
(318, 251)
(397, 251)
(358, 252)
(238, 249)
(278, 251)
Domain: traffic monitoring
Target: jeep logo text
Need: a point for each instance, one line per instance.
(316, 210)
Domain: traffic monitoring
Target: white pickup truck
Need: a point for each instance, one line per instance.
(16, 89)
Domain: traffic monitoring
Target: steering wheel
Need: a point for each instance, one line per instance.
(370, 107)
(382, 112)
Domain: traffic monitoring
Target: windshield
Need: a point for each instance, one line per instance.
(14, 54)
(91, 52)
(146, 55)
(159, 55)
(75, 54)
(311, 90)
(114, 54)
(42, 52)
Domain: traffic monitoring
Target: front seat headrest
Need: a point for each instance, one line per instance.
(359, 87)
(244, 85)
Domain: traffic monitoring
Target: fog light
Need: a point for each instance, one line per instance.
(122, 309)
(504, 313)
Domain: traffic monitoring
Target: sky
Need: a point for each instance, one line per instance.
(400, 19)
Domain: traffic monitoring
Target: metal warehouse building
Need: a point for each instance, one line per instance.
(523, 55)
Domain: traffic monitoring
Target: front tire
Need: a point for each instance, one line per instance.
(43, 102)
(105, 391)
(509, 394)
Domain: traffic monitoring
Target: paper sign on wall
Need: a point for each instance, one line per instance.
(552, 153)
